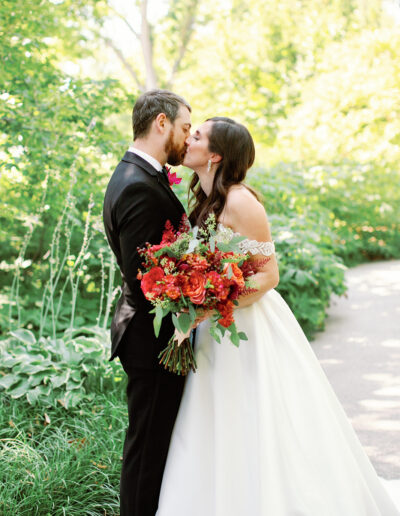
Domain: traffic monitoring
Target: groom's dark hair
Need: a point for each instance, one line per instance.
(151, 104)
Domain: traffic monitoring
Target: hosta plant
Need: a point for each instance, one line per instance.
(63, 371)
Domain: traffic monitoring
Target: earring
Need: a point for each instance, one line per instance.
(209, 165)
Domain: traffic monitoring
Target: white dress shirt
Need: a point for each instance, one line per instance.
(153, 162)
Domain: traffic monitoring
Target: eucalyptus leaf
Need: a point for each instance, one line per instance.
(158, 320)
(184, 321)
(192, 313)
(176, 322)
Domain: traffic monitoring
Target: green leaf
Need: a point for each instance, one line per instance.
(44, 390)
(72, 398)
(176, 322)
(212, 244)
(32, 396)
(236, 239)
(9, 361)
(21, 389)
(225, 248)
(38, 378)
(192, 245)
(185, 321)
(8, 380)
(192, 313)
(235, 339)
(71, 385)
(158, 320)
(215, 334)
(25, 336)
(242, 336)
(59, 380)
(30, 368)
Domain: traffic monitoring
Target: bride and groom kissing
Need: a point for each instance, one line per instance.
(257, 431)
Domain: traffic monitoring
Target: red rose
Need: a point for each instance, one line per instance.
(149, 285)
(194, 287)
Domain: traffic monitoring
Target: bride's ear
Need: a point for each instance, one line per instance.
(215, 158)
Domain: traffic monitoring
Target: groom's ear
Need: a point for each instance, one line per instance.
(161, 122)
(216, 158)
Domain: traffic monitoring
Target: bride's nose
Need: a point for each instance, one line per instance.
(189, 140)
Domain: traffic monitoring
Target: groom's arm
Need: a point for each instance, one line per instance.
(139, 218)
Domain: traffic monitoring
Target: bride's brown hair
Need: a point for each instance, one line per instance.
(233, 142)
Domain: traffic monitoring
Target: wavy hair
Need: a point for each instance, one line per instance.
(233, 142)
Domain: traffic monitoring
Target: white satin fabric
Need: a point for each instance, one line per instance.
(260, 431)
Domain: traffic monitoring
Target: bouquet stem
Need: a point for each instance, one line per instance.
(178, 358)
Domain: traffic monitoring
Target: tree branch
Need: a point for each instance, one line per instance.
(186, 33)
(136, 34)
(124, 61)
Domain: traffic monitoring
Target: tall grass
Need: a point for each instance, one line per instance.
(60, 463)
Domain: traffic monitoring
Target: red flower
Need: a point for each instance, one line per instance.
(171, 287)
(150, 282)
(226, 310)
(172, 178)
(194, 287)
(169, 235)
(196, 262)
(217, 286)
(236, 275)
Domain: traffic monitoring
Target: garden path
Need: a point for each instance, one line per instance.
(360, 353)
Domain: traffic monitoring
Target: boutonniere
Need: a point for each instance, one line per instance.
(172, 178)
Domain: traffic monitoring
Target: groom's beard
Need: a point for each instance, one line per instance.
(175, 153)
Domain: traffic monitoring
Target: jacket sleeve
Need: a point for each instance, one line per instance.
(139, 218)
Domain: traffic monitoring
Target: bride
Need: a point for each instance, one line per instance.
(260, 431)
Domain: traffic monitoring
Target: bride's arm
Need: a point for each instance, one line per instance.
(246, 215)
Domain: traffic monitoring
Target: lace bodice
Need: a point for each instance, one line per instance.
(247, 245)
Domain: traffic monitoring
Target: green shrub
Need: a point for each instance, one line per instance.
(65, 371)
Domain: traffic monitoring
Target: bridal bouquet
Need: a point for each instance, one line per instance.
(189, 272)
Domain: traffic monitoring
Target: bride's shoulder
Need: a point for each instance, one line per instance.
(245, 214)
(240, 201)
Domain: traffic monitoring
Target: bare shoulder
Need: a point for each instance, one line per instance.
(245, 214)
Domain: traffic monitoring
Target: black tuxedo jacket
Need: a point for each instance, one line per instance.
(137, 204)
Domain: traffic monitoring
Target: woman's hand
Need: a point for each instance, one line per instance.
(201, 315)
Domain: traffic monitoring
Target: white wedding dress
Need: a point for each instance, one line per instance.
(260, 431)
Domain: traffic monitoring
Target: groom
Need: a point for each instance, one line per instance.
(137, 203)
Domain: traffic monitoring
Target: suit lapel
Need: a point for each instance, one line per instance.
(131, 157)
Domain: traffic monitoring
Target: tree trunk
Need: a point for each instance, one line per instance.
(147, 48)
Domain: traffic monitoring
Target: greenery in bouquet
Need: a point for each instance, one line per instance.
(192, 271)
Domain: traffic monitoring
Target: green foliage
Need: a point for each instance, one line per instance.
(364, 208)
(310, 272)
(56, 462)
(311, 269)
(67, 370)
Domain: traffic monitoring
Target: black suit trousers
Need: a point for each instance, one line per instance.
(154, 396)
